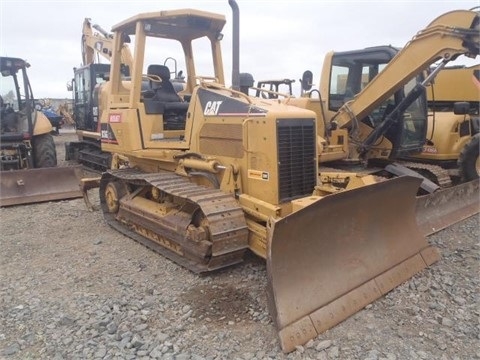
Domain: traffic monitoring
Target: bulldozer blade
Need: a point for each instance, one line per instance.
(448, 206)
(330, 259)
(29, 186)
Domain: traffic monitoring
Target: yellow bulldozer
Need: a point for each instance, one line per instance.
(204, 174)
(28, 157)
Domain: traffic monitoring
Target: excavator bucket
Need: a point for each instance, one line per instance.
(448, 206)
(38, 185)
(330, 259)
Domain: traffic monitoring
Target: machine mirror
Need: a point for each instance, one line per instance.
(461, 108)
(307, 80)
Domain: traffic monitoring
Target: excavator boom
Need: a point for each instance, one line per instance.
(452, 34)
(100, 43)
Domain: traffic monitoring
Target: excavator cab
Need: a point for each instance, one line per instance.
(351, 71)
(84, 84)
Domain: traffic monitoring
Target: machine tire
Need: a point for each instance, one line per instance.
(44, 153)
(468, 161)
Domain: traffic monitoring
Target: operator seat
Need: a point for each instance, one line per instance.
(164, 91)
(165, 100)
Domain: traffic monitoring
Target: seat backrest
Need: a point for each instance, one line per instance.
(159, 70)
(164, 91)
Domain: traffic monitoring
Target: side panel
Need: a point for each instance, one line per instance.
(120, 131)
(445, 140)
(455, 84)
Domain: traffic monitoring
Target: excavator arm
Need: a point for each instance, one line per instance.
(100, 43)
(448, 36)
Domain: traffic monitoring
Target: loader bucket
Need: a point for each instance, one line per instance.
(328, 260)
(38, 185)
(448, 206)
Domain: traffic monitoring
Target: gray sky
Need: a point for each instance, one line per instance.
(278, 39)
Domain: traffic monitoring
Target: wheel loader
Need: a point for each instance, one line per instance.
(28, 157)
(204, 174)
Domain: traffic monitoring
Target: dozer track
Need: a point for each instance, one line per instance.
(200, 228)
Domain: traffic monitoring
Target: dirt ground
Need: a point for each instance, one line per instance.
(71, 287)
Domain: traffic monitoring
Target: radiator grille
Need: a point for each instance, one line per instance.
(296, 158)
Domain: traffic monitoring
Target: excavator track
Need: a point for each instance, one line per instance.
(436, 173)
(200, 228)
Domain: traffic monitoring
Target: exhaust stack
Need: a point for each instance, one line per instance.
(235, 45)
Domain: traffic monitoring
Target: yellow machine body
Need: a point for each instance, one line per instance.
(203, 174)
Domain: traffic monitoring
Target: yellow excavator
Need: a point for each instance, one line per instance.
(450, 152)
(375, 98)
(28, 158)
(96, 46)
(204, 174)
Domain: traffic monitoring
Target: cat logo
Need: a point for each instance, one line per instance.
(212, 107)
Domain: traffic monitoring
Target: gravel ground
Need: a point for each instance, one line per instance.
(73, 288)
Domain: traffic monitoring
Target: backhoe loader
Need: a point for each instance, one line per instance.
(203, 175)
(28, 157)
